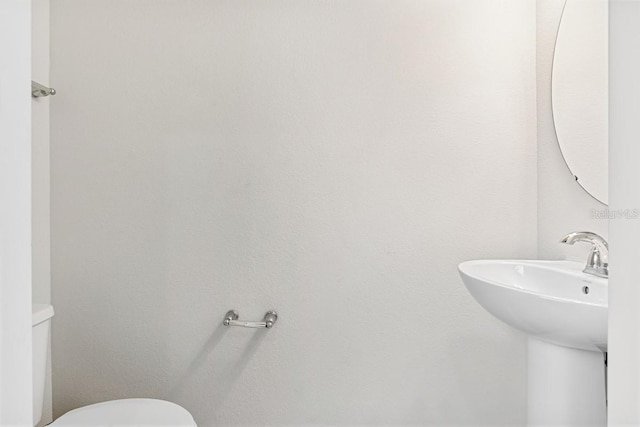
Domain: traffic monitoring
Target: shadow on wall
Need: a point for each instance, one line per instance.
(211, 365)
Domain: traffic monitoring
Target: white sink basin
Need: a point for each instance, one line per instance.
(553, 301)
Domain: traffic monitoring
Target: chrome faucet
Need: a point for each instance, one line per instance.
(598, 259)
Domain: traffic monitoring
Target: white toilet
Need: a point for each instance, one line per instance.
(123, 412)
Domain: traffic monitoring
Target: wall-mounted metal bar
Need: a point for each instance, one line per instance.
(231, 319)
(38, 90)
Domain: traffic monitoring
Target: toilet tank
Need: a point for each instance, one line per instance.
(41, 318)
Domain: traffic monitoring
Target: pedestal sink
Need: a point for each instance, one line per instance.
(564, 313)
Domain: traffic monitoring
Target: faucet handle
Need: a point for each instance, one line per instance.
(597, 261)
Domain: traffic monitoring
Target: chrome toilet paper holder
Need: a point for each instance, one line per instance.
(231, 319)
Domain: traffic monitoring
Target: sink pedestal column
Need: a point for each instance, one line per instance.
(566, 386)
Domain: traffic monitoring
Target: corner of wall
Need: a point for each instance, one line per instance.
(40, 176)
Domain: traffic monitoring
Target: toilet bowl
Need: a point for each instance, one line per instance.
(122, 412)
(127, 412)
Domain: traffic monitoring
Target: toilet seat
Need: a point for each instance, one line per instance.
(128, 412)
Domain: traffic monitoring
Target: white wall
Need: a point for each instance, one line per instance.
(624, 187)
(40, 174)
(332, 160)
(40, 154)
(563, 206)
(15, 215)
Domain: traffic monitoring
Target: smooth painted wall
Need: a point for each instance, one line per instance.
(624, 186)
(40, 174)
(563, 206)
(332, 160)
(16, 404)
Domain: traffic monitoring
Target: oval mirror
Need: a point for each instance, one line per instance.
(579, 93)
